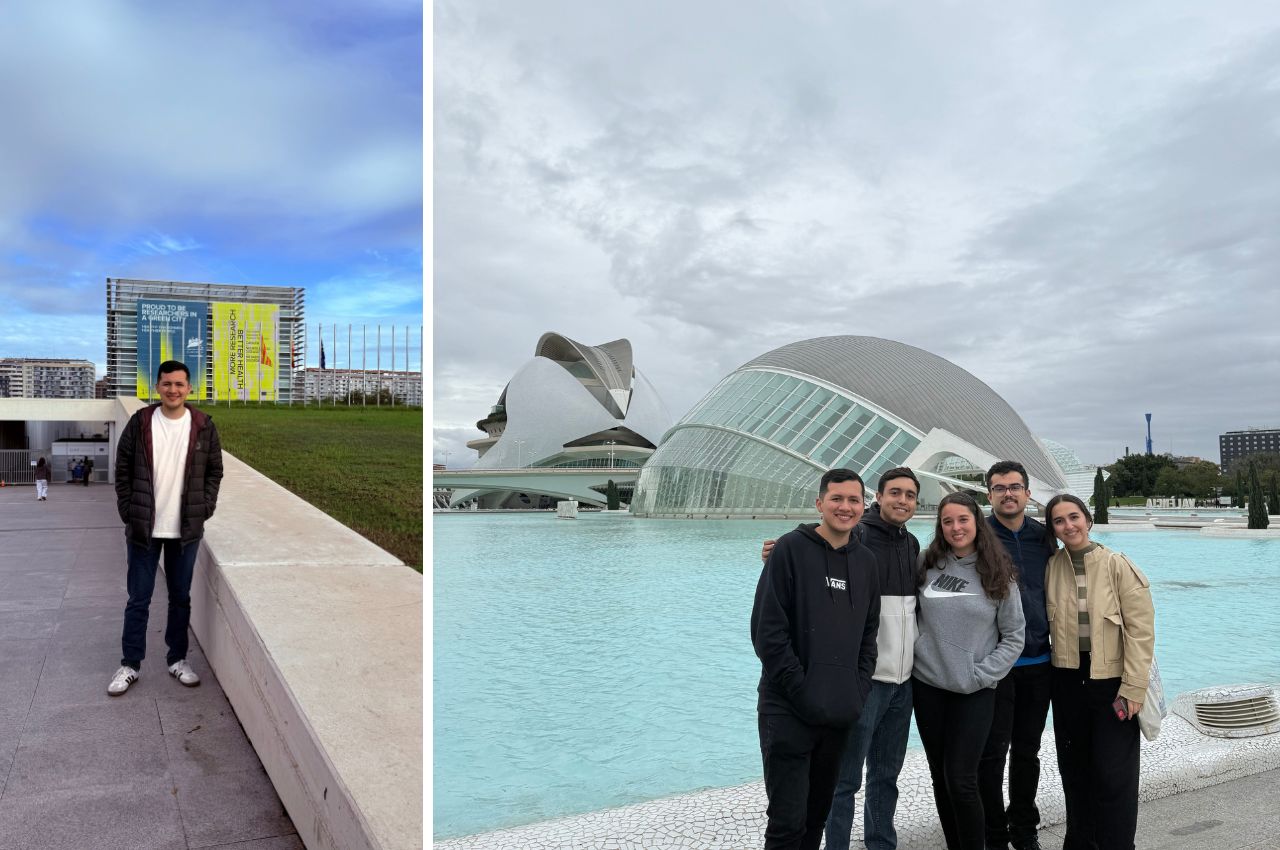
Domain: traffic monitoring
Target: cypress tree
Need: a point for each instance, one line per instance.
(611, 495)
(1239, 494)
(1273, 504)
(1257, 506)
(1099, 498)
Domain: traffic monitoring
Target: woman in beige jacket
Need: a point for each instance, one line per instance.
(1102, 629)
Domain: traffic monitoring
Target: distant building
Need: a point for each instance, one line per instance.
(102, 388)
(1183, 461)
(246, 343)
(33, 377)
(571, 406)
(759, 441)
(1237, 444)
(329, 384)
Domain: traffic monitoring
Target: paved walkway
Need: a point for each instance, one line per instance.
(162, 766)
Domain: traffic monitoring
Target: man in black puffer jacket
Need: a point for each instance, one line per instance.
(168, 470)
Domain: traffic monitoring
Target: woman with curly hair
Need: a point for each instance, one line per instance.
(971, 631)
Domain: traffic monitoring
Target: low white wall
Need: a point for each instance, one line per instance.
(315, 635)
(1181, 759)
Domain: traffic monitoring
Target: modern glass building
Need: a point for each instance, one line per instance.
(757, 444)
(241, 342)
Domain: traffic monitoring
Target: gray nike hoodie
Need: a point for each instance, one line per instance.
(967, 640)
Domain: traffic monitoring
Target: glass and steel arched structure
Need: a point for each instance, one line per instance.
(759, 441)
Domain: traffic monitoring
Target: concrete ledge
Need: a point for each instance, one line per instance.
(1270, 533)
(1181, 759)
(316, 636)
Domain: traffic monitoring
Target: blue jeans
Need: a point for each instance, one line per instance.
(879, 738)
(179, 566)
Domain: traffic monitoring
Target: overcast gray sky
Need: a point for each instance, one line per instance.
(1079, 203)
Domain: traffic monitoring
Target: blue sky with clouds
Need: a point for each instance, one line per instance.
(247, 143)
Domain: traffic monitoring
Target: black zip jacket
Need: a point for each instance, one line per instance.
(135, 493)
(1030, 550)
(814, 624)
(896, 551)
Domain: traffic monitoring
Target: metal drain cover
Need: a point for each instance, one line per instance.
(1234, 711)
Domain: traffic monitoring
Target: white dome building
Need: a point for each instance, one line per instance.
(571, 406)
(760, 440)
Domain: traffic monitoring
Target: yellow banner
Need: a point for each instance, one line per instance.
(245, 351)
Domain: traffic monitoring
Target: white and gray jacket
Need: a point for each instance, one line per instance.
(967, 640)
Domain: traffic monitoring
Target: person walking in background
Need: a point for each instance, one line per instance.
(168, 472)
(813, 626)
(971, 633)
(88, 469)
(1022, 697)
(42, 481)
(1102, 624)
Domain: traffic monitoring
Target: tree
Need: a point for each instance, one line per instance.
(1257, 505)
(1273, 505)
(611, 495)
(1135, 475)
(1099, 498)
(1239, 490)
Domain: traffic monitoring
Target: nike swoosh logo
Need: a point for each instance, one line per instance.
(933, 593)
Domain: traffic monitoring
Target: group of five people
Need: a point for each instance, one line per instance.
(856, 628)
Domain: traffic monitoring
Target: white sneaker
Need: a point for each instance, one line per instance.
(182, 671)
(121, 681)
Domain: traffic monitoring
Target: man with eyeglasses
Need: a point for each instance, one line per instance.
(1022, 698)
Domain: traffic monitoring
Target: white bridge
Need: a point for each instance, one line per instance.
(558, 482)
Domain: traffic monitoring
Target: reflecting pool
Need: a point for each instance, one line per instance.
(582, 664)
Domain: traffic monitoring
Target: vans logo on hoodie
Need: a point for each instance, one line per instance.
(835, 583)
(945, 585)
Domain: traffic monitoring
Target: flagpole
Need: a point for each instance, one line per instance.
(364, 367)
(379, 359)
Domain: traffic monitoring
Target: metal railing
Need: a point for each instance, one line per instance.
(16, 465)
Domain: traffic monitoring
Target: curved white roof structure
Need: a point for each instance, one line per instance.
(759, 441)
(572, 405)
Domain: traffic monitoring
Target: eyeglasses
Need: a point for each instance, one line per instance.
(1015, 489)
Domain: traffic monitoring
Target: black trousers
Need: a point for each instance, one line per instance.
(1022, 706)
(801, 763)
(1098, 756)
(953, 728)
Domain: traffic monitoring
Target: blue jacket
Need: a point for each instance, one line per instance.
(1030, 550)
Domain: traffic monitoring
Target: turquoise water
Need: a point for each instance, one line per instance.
(606, 660)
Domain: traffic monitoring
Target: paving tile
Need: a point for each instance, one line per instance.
(105, 716)
(32, 603)
(93, 658)
(75, 689)
(15, 701)
(27, 624)
(210, 711)
(91, 817)
(8, 746)
(282, 842)
(206, 750)
(226, 807)
(52, 764)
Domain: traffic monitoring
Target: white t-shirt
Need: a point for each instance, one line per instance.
(169, 464)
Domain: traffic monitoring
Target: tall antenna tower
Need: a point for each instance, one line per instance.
(1149, 433)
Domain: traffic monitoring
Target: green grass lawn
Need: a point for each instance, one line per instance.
(361, 466)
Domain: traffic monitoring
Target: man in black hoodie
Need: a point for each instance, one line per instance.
(1022, 698)
(814, 625)
(879, 739)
